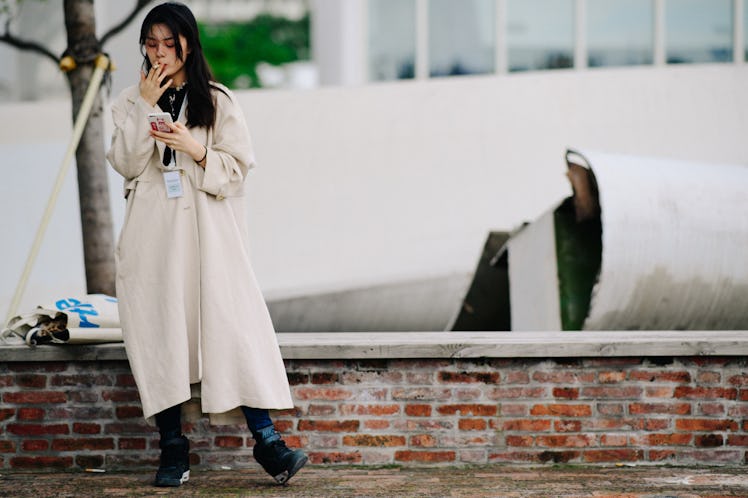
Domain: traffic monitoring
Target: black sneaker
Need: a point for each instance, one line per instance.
(277, 459)
(175, 462)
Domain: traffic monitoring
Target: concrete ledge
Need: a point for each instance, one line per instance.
(363, 345)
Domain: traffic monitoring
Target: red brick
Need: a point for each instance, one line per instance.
(124, 412)
(501, 393)
(708, 378)
(323, 393)
(120, 396)
(572, 441)
(37, 429)
(34, 397)
(31, 380)
(613, 440)
(737, 440)
(708, 440)
(125, 380)
(120, 428)
(467, 409)
(677, 439)
(132, 443)
(664, 392)
(611, 377)
(376, 424)
(82, 428)
(660, 376)
(513, 456)
(422, 441)
(558, 456)
(425, 456)
(295, 441)
(372, 440)
(297, 378)
(30, 414)
(88, 443)
(705, 424)
(472, 424)
(83, 396)
(325, 378)
(469, 377)
(567, 425)
(653, 424)
(527, 425)
(82, 380)
(516, 377)
(562, 410)
(555, 377)
(420, 393)
(519, 440)
(329, 425)
(35, 445)
(7, 380)
(41, 462)
(610, 408)
(711, 409)
(665, 408)
(318, 410)
(283, 425)
(7, 446)
(415, 410)
(689, 392)
(612, 392)
(622, 455)
(660, 455)
(320, 457)
(566, 392)
(739, 380)
(513, 409)
(6, 413)
(378, 410)
(228, 441)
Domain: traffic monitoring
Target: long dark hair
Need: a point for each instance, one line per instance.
(201, 110)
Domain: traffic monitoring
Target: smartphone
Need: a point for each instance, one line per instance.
(158, 121)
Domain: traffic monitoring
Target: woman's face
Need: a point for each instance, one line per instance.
(160, 48)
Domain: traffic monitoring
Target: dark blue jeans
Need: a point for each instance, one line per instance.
(169, 421)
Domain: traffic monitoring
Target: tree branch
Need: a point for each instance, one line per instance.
(32, 46)
(122, 24)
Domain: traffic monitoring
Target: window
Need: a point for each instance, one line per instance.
(540, 34)
(461, 37)
(698, 30)
(620, 32)
(392, 39)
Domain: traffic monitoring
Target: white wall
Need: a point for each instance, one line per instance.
(397, 181)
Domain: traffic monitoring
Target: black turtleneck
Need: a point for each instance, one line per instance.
(171, 102)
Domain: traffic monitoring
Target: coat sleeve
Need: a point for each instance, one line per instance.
(230, 156)
(132, 145)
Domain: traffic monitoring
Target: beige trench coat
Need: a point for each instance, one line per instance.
(194, 321)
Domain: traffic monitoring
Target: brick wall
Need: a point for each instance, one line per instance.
(411, 412)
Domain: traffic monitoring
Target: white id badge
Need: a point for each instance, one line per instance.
(173, 184)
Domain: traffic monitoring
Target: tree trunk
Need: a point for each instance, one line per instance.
(93, 186)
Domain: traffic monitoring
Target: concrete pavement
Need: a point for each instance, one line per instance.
(473, 482)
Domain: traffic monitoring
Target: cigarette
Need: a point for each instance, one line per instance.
(95, 470)
(156, 66)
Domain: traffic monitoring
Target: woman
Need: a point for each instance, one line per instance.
(195, 324)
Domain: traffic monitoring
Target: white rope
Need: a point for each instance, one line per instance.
(102, 63)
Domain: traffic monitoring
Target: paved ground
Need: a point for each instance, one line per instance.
(474, 482)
